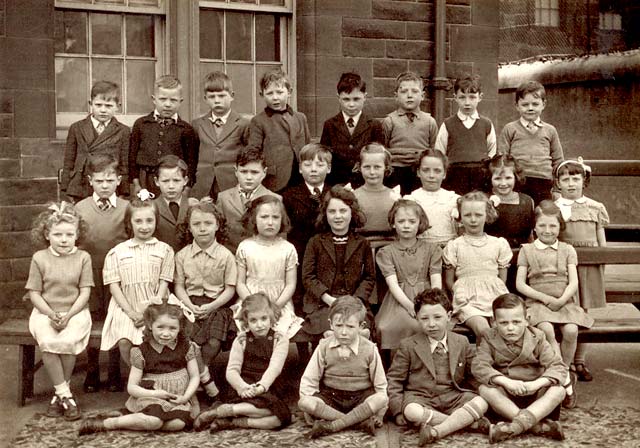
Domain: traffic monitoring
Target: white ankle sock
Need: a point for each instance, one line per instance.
(62, 390)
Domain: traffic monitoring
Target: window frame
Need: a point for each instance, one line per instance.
(543, 15)
(610, 18)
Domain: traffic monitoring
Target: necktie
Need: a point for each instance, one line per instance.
(439, 349)
(316, 192)
(411, 116)
(100, 128)
(164, 121)
(175, 209)
(218, 126)
(104, 204)
(531, 126)
(350, 123)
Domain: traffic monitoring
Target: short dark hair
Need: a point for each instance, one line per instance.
(347, 306)
(277, 76)
(467, 84)
(508, 301)
(249, 217)
(248, 155)
(102, 162)
(217, 81)
(170, 162)
(533, 87)
(434, 296)
(256, 302)
(107, 89)
(549, 208)
(436, 154)
(155, 310)
(413, 205)
(572, 167)
(358, 218)
(498, 163)
(135, 204)
(204, 206)
(350, 81)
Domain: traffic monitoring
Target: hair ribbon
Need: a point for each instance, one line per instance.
(145, 195)
(173, 300)
(579, 161)
(59, 210)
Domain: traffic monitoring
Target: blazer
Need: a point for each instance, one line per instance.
(280, 137)
(346, 147)
(82, 143)
(319, 269)
(302, 209)
(167, 227)
(536, 358)
(231, 206)
(217, 155)
(413, 372)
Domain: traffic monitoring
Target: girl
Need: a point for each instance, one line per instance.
(59, 284)
(138, 272)
(256, 359)
(337, 260)
(585, 223)
(550, 268)
(205, 281)
(374, 198)
(515, 210)
(267, 262)
(438, 204)
(476, 264)
(163, 378)
(409, 266)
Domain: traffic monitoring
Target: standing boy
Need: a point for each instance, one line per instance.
(408, 131)
(430, 381)
(162, 133)
(278, 131)
(222, 133)
(344, 383)
(103, 212)
(532, 142)
(521, 374)
(99, 133)
(233, 202)
(466, 138)
(173, 202)
(350, 130)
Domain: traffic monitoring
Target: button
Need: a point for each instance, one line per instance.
(161, 133)
(159, 143)
(159, 153)
(350, 146)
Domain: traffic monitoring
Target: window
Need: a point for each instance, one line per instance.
(610, 21)
(547, 13)
(245, 39)
(106, 43)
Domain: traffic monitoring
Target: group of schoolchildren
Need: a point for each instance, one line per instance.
(273, 252)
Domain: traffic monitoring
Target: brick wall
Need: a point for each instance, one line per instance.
(379, 39)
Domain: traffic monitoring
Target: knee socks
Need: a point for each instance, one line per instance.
(357, 415)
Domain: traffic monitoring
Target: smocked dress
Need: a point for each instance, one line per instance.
(515, 221)
(164, 368)
(584, 217)
(438, 206)
(138, 267)
(476, 260)
(413, 267)
(266, 265)
(547, 273)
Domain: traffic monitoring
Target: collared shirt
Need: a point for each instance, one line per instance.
(112, 199)
(433, 343)
(565, 204)
(174, 117)
(177, 200)
(467, 121)
(159, 347)
(355, 118)
(311, 188)
(542, 246)
(270, 112)
(96, 123)
(224, 118)
(246, 195)
(354, 346)
(56, 254)
(205, 272)
(525, 123)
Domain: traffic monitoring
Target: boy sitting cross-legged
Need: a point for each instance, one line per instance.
(430, 377)
(521, 374)
(344, 382)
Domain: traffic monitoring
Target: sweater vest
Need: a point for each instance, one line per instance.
(349, 374)
(467, 145)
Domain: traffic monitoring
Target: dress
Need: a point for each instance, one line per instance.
(165, 369)
(476, 261)
(413, 267)
(138, 267)
(266, 265)
(584, 217)
(515, 221)
(376, 205)
(547, 273)
(438, 205)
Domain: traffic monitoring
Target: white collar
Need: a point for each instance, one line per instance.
(525, 123)
(177, 201)
(213, 117)
(333, 343)
(96, 122)
(321, 187)
(160, 348)
(356, 118)
(174, 117)
(565, 204)
(132, 242)
(474, 116)
(540, 245)
(195, 249)
(56, 254)
(433, 343)
(112, 199)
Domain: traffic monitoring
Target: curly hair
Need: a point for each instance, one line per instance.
(56, 213)
(473, 196)
(358, 218)
(549, 208)
(135, 204)
(276, 76)
(258, 302)
(249, 221)
(154, 311)
(435, 296)
(413, 205)
(205, 205)
(497, 164)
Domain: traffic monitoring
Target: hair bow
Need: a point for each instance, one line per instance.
(579, 160)
(173, 300)
(206, 200)
(59, 210)
(408, 197)
(144, 195)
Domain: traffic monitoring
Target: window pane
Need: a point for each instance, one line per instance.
(144, 2)
(554, 18)
(261, 70)
(140, 37)
(243, 1)
(113, 2)
(267, 37)
(242, 77)
(106, 70)
(71, 84)
(140, 78)
(272, 2)
(70, 32)
(238, 36)
(106, 33)
(211, 34)
(205, 69)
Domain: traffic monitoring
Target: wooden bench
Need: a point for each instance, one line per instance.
(16, 332)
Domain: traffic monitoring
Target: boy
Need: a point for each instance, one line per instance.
(222, 133)
(521, 374)
(161, 133)
(344, 382)
(99, 133)
(350, 130)
(173, 202)
(429, 373)
(232, 202)
(408, 131)
(104, 214)
(466, 138)
(278, 131)
(532, 142)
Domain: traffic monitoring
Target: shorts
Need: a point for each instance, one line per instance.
(343, 400)
(446, 402)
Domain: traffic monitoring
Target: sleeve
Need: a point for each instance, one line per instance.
(377, 133)
(35, 281)
(134, 147)
(241, 256)
(167, 267)
(368, 275)
(442, 139)
(191, 352)
(276, 363)
(435, 262)
(397, 377)
(70, 153)
(86, 275)
(234, 365)
(256, 134)
(310, 380)
(469, 356)
(603, 216)
(305, 123)
(230, 269)
(110, 271)
(522, 256)
(482, 365)
(179, 277)
(310, 280)
(504, 142)
(244, 133)
(491, 142)
(557, 154)
(123, 156)
(384, 261)
(292, 257)
(555, 369)
(191, 150)
(450, 256)
(572, 256)
(433, 131)
(376, 373)
(505, 254)
(387, 127)
(325, 138)
(136, 358)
